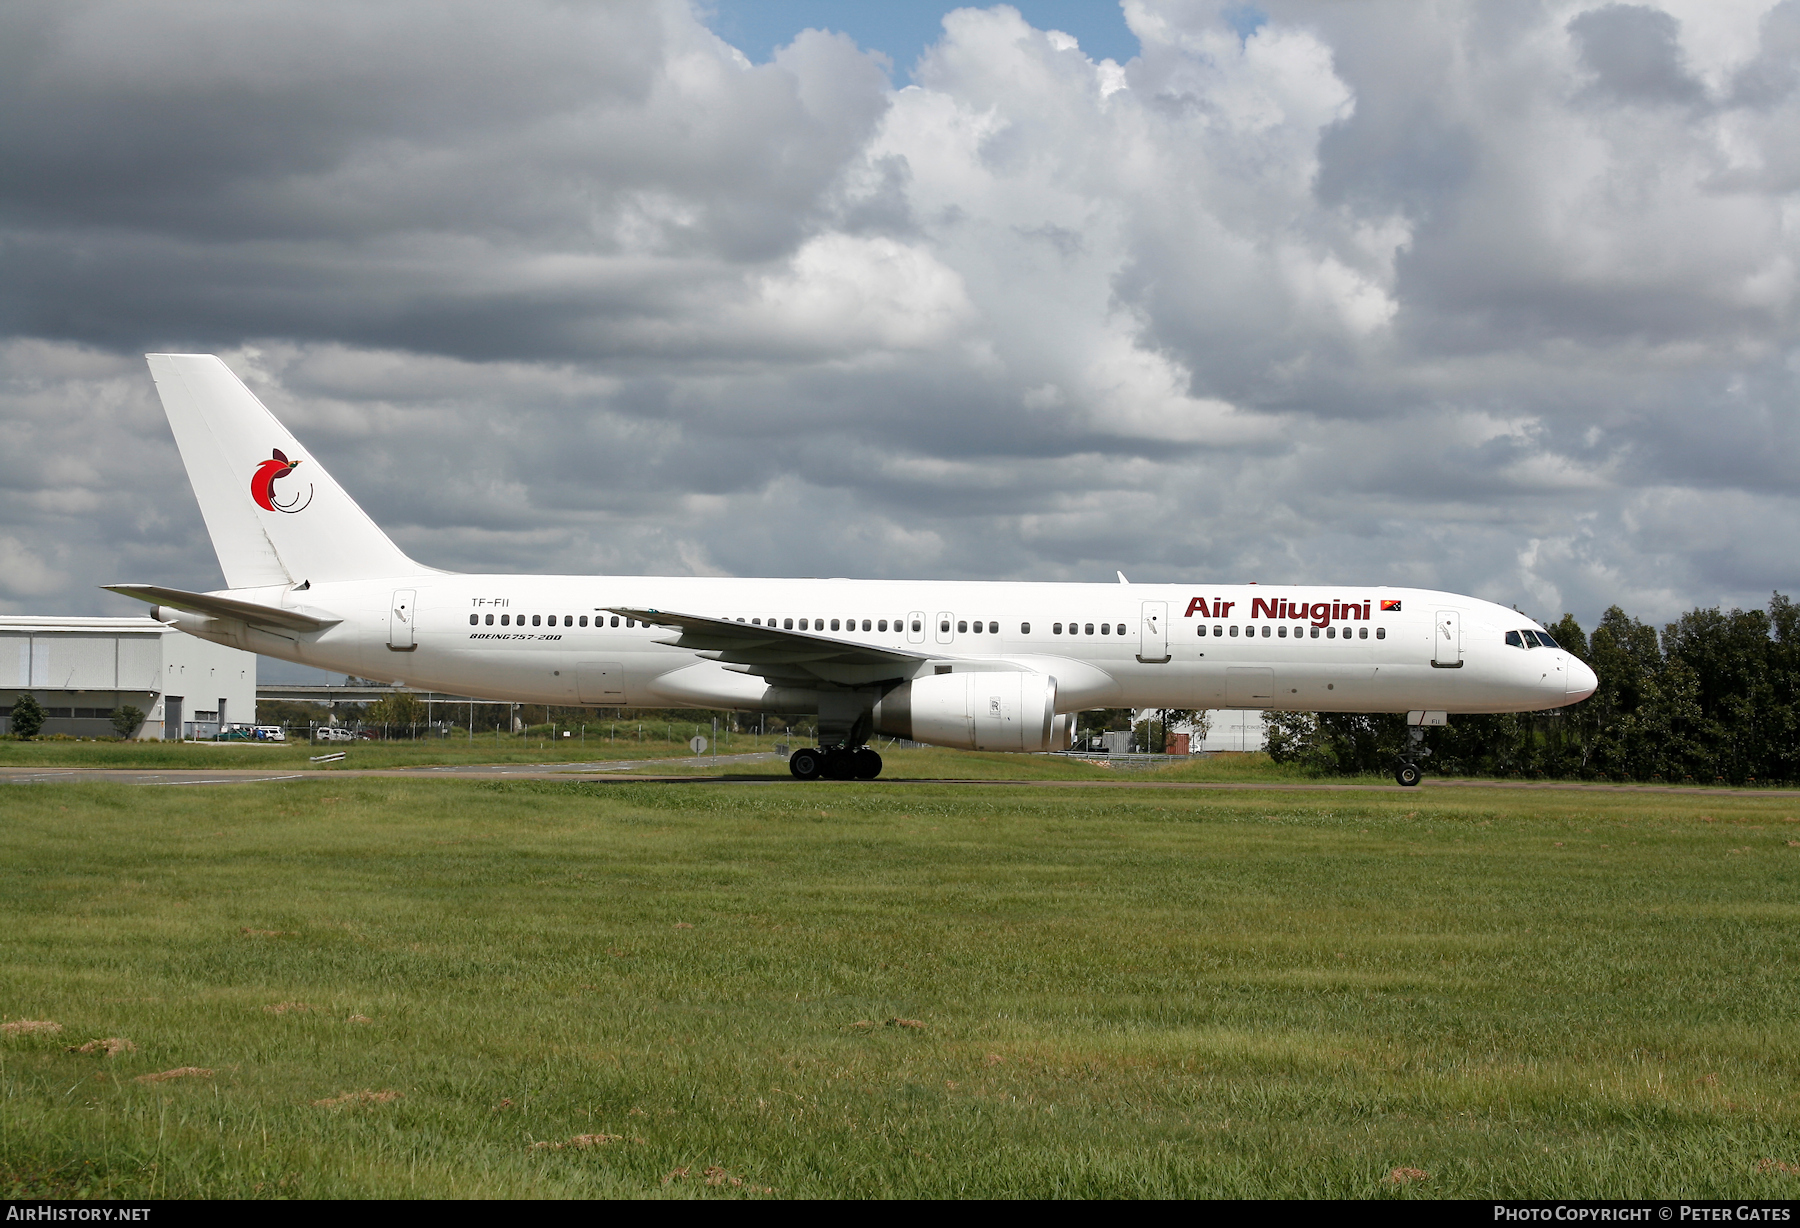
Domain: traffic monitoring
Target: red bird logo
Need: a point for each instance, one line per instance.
(262, 484)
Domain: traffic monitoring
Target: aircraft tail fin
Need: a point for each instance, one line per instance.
(275, 516)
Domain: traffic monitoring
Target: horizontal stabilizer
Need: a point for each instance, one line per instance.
(226, 607)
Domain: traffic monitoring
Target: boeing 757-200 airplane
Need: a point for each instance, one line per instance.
(985, 665)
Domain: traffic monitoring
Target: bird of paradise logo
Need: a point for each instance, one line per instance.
(262, 485)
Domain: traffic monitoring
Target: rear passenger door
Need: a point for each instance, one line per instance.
(1153, 633)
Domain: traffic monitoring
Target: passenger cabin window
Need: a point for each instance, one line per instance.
(1282, 631)
(1381, 633)
(787, 624)
(1024, 628)
(1234, 631)
(918, 625)
(962, 626)
(490, 620)
(1266, 632)
(474, 620)
(583, 620)
(1362, 633)
(1090, 629)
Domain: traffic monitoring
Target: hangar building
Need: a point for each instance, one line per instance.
(81, 669)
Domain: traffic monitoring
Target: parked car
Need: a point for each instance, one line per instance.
(333, 733)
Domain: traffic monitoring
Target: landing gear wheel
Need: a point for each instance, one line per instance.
(866, 764)
(1407, 774)
(806, 764)
(839, 765)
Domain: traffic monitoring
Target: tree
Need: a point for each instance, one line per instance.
(399, 709)
(1293, 736)
(290, 712)
(126, 720)
(27, 716)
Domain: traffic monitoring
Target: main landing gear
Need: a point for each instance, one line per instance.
(835, 763)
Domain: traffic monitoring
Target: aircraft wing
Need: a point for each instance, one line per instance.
(802, 657)
(226, 607)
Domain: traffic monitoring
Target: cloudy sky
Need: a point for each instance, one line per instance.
(1495, 297)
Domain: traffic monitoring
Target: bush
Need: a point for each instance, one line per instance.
(27, 717)
(126, 720)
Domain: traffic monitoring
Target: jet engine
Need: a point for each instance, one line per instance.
(977, 710)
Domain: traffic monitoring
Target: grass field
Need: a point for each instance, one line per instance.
(419, 988)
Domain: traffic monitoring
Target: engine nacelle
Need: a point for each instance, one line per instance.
(979, 710)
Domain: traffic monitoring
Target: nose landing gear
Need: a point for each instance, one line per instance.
(835, 763)
(1406, 771)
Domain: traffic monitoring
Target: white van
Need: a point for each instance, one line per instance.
(333, 733)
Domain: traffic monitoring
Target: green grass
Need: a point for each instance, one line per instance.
(1139, 992)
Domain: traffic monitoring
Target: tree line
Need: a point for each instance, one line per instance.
(1714, 697)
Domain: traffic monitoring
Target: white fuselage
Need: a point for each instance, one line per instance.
(522, 638)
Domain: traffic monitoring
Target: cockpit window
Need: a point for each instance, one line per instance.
(1546, 641)
(1512, 638)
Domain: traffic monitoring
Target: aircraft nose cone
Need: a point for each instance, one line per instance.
(1582, 680)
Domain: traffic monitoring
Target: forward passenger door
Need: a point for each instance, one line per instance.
(1446, 652)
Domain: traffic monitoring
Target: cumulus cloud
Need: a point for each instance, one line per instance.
(1489, 297)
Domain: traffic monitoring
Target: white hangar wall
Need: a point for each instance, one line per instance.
(81, 669)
